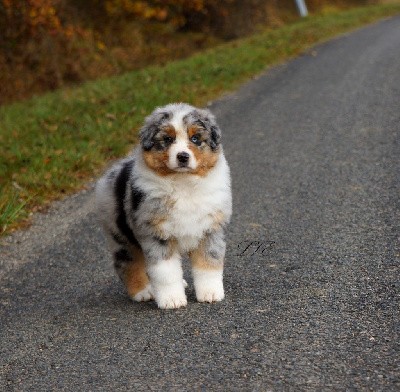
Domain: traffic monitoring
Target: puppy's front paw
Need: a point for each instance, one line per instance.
(144, 295)
(210, 294)
(208, 285)
(170, 296)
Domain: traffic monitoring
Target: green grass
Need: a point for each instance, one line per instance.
(51, 145)
(10, 211)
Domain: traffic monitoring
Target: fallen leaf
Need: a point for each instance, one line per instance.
(111, 116)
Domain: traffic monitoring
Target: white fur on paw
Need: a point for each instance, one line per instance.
(208, 285)
(166, 278)
(170, 296)
(144, 295)
(210, 294)
(185, 284)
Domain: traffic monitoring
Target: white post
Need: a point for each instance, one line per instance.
(301, 5)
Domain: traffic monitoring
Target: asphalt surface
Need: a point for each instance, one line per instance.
(314, 151)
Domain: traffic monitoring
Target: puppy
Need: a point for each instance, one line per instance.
(171, 198)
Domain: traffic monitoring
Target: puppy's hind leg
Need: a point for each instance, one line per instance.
(130, 266)
(207, 267)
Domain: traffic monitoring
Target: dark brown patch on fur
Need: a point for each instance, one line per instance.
(134, 274)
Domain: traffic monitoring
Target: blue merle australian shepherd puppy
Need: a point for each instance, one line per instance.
(169, 199)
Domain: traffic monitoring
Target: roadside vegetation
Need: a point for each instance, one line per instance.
(51, 145)
(49, 44)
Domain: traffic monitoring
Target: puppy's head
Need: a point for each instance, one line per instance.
(179, 138)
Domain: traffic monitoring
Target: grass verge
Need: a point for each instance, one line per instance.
(51, 145)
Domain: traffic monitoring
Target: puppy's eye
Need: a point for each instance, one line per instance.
(196, 139)
(168, 139)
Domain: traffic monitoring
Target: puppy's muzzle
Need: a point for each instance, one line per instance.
(183, 159)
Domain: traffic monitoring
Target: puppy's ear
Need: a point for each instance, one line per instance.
(207, 119)
(215, 136)
(147, 134)
(151, 127)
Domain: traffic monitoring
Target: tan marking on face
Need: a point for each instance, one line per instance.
(200, 260)
(134, 274)
(193, 129)
(169, 130)
(206, 159)
(157, 161)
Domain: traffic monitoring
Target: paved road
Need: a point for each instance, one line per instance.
(314, 151)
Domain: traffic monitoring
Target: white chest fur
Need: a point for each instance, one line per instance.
(195, 207)
(192, 202)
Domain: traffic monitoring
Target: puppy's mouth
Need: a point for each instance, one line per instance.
(182, 168)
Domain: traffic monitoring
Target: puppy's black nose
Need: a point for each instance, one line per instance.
(183, 157)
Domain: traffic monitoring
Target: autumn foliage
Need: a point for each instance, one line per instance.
(45, 44)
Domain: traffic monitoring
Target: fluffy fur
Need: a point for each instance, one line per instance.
(170, 198)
